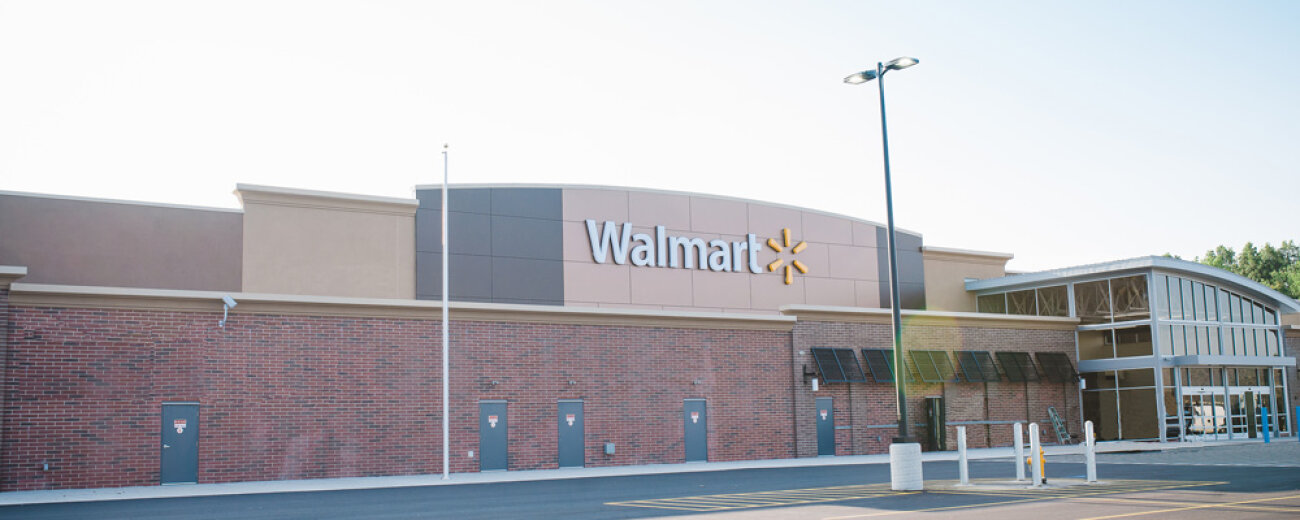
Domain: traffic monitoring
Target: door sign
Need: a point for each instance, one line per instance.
(695, 417)
(569, 418)
(492, 421)
(823, 415)
(179, 424)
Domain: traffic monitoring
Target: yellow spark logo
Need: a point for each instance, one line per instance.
(794, 264)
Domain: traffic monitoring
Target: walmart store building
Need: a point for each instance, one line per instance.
(590, 326)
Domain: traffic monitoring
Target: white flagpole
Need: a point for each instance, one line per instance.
(446, 337)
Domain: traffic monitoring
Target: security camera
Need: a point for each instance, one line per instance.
(227, 304)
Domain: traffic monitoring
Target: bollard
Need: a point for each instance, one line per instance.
(1293, 424)
(961, 455)
(1090, 451)
(1018, 432)
(1035, 456)
(1264, 414)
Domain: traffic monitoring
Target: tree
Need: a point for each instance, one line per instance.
(1276, 267)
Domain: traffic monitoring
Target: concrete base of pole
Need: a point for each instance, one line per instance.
(905, 467)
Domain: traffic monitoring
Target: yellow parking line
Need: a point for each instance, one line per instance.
(1202, 506)
(759, 499)
(1269, 509)
(1094, 491)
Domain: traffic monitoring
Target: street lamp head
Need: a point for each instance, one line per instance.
(861, 77)
(901, 63)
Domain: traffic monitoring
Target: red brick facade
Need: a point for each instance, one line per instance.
(295, 397)
(290, 397)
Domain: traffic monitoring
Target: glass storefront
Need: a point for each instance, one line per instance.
(1165, 355)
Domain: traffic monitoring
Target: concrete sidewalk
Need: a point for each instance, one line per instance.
(335, 484)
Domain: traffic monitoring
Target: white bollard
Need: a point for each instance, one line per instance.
(1018, 431)
(905, 467)
(1035, 465)
(1090, 451)
(961, 455)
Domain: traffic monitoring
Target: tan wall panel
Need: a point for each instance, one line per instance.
(946, 274)
(321, 244)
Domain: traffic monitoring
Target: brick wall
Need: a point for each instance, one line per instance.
(290, 397)
(870, 411)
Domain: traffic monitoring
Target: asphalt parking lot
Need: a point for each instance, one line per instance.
(1237, 481)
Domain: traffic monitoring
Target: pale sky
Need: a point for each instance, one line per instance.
(1062, 132)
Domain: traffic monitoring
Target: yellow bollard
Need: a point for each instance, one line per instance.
(1042, 464)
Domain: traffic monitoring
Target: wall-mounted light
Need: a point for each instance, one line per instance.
(808, 374)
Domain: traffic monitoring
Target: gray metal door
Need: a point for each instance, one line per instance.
(696, 415)
(492, 438)
(825, 426)
(180, 443)
(571, 446)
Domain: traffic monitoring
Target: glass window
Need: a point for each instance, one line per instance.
(1140, 419)
(1257, 314)
(1247, 377)
(1179, 338)
(1211, 303)
(1270, 338)
(1234, 308)
(1166, 340)
(1096, 344)
(1175, 298)
(1199, 377)
(1021, 302)
(1188, 299)
(1162, 293)
(1210, 345)
(1198, 301)
(1225, 306)
(1270, 317)
(1053, 301)
(1133, 342)
(1130, 296)
(1144, 377)
(993, 303)
(1099, 380)
(1092, 302)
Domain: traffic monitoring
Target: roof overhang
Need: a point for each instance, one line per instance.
(1135, 265)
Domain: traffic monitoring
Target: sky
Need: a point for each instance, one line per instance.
(1065, 133)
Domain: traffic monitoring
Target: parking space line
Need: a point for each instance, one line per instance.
(1267, 509)
(723, 502)
(789, 497)
(1189, 508)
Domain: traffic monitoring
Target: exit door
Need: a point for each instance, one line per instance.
(492, 437)
(696, 417)
(570, 437)
(825, 426)
(180, 443)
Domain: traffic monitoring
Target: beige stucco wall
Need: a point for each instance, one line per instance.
(946, 271)
(320, 243)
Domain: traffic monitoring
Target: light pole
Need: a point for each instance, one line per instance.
(905, 469)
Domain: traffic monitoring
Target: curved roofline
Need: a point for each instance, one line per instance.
(1265, 292)
(663, 192)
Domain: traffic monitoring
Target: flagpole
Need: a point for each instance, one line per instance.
(446, 336)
